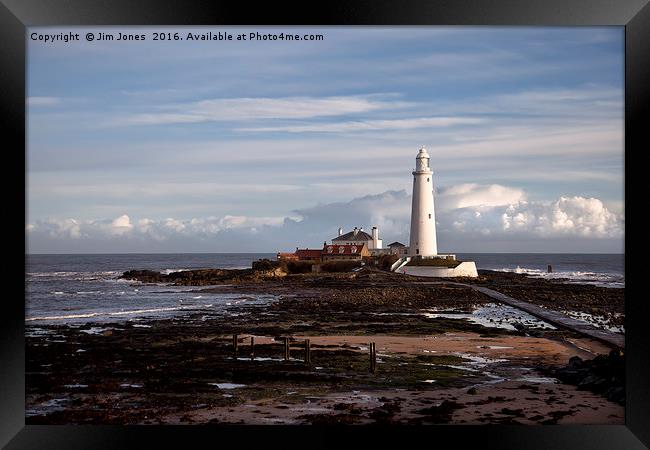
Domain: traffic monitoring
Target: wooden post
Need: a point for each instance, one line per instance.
(286, 349)
(550, 268)
(374, 357)
(374, 360)
(234, 344)
(252, 348)
(307, 352)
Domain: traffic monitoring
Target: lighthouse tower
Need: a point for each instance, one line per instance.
(423, 218)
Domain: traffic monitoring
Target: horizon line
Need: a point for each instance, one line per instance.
(260, 253)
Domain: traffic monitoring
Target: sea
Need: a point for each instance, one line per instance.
(82, 288)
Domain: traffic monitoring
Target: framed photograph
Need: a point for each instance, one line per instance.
(304, 221)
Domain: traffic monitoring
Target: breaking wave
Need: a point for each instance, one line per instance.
(115, 313)
(613, 280)
(168, 271)
(74, 276)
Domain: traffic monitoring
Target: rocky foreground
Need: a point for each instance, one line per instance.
(438, 359)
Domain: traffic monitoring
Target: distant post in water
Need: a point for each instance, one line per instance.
(252, 348)
(374, 357)
(550, 269)
(286, 349)
(307, 352)
(234, 344)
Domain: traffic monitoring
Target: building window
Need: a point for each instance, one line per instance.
(429, 216)
(353, 249)
(417, 251)
(329, 249)
(427, 180)
(341, 249)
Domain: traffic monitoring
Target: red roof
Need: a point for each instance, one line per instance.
(287, 255)
(307, 253)
(334, 249)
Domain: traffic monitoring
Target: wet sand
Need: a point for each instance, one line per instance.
(430, 369)
(508, 402)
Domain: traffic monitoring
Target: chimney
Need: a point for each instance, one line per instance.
(375, 237)
(355, 231)
(340, 231)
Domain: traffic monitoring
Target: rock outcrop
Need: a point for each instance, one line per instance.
(605, 375)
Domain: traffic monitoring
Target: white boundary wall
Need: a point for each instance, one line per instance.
(464, 269)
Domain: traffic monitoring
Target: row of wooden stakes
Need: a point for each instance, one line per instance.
(307, 352)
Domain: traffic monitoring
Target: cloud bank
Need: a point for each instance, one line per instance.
(469, 217)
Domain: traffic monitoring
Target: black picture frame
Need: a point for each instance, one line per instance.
(16, 15)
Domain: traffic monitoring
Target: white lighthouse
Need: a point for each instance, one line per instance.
(423, 259)
(423, 217)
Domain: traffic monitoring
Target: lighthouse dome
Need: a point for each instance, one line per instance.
(423, 153)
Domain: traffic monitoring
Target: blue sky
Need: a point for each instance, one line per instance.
(264, 146)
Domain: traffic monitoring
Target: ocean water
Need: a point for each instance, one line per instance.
(76, 289)
(607, 270)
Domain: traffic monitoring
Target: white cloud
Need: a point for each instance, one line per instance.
(244, 221)
(598, 139)
(473, 212)
(156, 229)
(43, 101)
(145, 224)
(68, 228)
(584, 100)
(173, 225)
(138, 189)
(372, 125)
(575, 216)
(121, 225)
(245, 109)
(475, 195)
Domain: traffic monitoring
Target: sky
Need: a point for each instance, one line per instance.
(267, 145)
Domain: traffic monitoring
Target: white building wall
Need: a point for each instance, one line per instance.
(376, 242)
(423, 219)
(359, 243)
(373, 244)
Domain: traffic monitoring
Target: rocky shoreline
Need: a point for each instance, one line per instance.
(605, 374)
(438, 360)
(606, 306)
